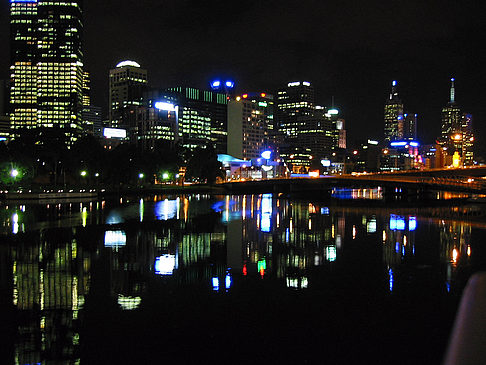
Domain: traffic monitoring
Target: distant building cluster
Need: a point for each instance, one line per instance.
(50, 87)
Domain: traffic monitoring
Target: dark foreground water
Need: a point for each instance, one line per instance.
(251, 279)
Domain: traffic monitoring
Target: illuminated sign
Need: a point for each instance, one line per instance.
(305, 83)
(162, 105)
(128, 63)
(263, 103)
(333, 111)
(3, 139)
(404, 143)
(326, 163)
(114, 133)
(230, 84)
(293, 84)
(266, 155)
(165, 264)
(394, 83)
(215, 84)
(372, 142)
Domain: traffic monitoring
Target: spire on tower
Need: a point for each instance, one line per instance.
(394, 92)
(453, 92)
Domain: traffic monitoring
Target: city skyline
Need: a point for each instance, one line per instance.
(353, 55)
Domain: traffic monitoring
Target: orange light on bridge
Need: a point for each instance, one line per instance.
(314, 174)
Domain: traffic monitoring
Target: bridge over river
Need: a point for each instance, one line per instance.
(420, 184)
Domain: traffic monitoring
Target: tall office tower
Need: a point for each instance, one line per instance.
(393, 116)
(305, 132)
(249, 118)
(128, 81)
(194, 127)
(23, 60)
(86, 89)
(338, 128)
(451, 118)
(47, 65)
(456, 132)
(92, 123)
(467, 139)
(410, 127)
(4, 117)
(208, 103)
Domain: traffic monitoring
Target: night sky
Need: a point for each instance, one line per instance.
(351, 50)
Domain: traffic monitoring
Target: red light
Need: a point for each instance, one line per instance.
(245, 272)
(227, 98)
(262, 272)
(263, 95)
(245, 96)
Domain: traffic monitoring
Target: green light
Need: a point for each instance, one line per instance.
(263, 103)
(165, 176)
(84, 173)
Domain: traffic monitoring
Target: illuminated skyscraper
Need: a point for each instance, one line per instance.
(304, 131)
(128, 81)
(451, 117)
(393, 116)
(212, 104)
(456, 132)
(46, 65)
(410, 127)
(249, 118)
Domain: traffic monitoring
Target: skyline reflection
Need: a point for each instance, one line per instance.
(119, 252)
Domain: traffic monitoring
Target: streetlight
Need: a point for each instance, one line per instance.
(141, 175)
(14, 173)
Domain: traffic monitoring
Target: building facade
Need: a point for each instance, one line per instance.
(249, 118)
(304, 131)
(47, 66)
(457, 131)
(207, 104)
(393, 130)
(128, 81)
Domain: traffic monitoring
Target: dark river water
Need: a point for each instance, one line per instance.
(256, 279)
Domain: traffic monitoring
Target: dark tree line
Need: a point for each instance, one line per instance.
(41, 157)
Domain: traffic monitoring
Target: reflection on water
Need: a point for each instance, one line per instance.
(56, 258)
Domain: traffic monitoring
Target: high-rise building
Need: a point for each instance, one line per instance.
(207, 103)
(249, 118)
(46, 65)
(128, 81)
(451, 117)
(92, 123)
(393, 116)
(303, 130)
(4, 117)
(456, 132)
(410, 127)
